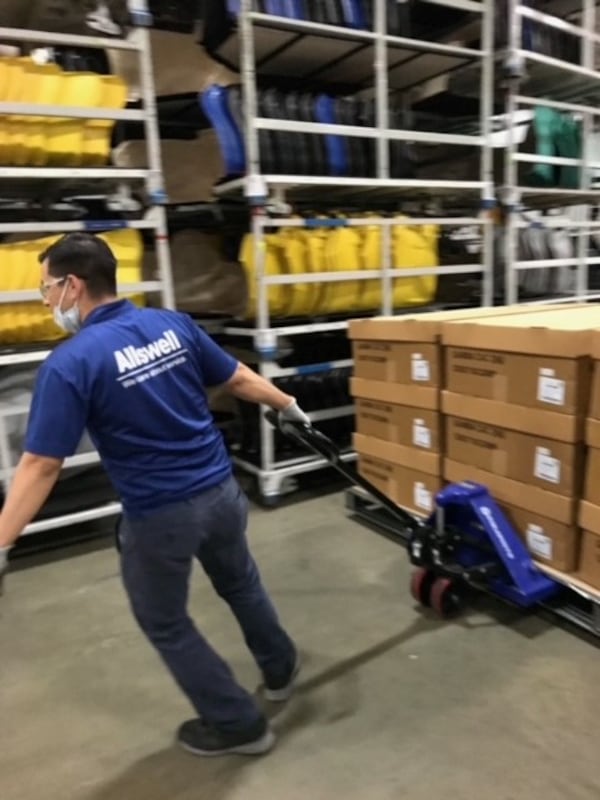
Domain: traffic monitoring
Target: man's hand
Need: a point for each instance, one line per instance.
(32, 482)
(293, 413)
(3, 567)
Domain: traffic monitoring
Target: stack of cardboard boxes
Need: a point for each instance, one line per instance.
(497, 396)
(589, 516)
(515, 404)
(397, 387)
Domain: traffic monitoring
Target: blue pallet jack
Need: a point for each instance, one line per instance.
(466, 542)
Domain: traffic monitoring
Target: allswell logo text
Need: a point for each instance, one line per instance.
(131, 358)
(139, 364)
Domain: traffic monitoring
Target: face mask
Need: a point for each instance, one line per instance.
(70, 320)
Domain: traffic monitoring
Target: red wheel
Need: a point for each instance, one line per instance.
(444, 597)
(421, 582)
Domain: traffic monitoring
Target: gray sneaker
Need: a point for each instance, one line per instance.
(203, 739)
(279, 690)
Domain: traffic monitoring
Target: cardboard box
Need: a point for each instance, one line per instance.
(592, 433)
(589, 559)
(550, 465)
(550, 542)
(404, 425)
(427, 326)
(407, 487)
(560, 385)
(410, 477)
(545, 503)
(559, 427)
(397, 362)
(560, 333)
(591, 491)
(594, 409)
(405, 349)
(416, 396)
(421, 460)
(540, 360)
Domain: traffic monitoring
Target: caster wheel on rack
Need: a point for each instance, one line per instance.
(269, 500)
(445, 598)
(421, 582)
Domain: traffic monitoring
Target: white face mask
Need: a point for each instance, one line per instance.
(69, 320)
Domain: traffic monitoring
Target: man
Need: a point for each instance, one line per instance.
(136, 378)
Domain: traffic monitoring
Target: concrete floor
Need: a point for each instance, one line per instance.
(392, 704)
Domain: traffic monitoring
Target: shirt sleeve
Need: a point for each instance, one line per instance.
(58, 414)
(217, 365)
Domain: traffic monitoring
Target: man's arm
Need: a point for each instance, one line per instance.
(245, 384)
(33, 480)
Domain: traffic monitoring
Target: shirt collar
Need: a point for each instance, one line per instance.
(107, 311)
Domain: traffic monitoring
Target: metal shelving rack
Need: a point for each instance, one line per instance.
(396, 64)
(23, 180)
(538, 80)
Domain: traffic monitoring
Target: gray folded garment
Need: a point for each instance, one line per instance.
(16, 391)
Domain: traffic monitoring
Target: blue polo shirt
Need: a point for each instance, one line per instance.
(135, 378)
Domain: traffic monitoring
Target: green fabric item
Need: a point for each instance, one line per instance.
(545, 122)
(569, 145)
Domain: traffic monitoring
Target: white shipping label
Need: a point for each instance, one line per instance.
(538, 542)
(421, 434)
(547, 468)
(551, 390)
(420, 368)
(422, 497)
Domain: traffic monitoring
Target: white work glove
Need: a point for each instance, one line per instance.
(3, 566)
(293, 413)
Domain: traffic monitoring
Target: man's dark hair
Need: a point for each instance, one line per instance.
(86, 256)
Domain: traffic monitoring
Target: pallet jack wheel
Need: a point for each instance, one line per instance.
(445, 598)
(421, 583)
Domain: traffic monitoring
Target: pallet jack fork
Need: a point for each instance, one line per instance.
(466, 541)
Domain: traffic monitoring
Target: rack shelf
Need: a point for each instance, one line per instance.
(264, 47)
(334, 54)
(330, 189)
(545, 83)
(58, 182)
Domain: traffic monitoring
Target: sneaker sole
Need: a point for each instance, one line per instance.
(282, 695)
(256, 748)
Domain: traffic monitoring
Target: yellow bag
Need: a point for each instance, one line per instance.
(316, 261)
(97, 132)
(40, 84)
(296, 261)
(414, 246)
(279, 297)
(31, 321)
(128, 247)
(371, 258)
(12, 84)
(65, 136)
(342, 254)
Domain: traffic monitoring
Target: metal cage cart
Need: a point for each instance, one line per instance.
(389, 71)
(117, 189)
(552, 89)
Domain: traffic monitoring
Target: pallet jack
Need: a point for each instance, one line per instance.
(466, 542)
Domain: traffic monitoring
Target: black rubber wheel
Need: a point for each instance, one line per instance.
(269, 500)
(445, 598)
(421, 582)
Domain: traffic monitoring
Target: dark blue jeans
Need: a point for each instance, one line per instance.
(157, 552)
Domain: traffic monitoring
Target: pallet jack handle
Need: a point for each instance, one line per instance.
(312, 439)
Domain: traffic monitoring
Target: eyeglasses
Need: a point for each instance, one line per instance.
(45, 287)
